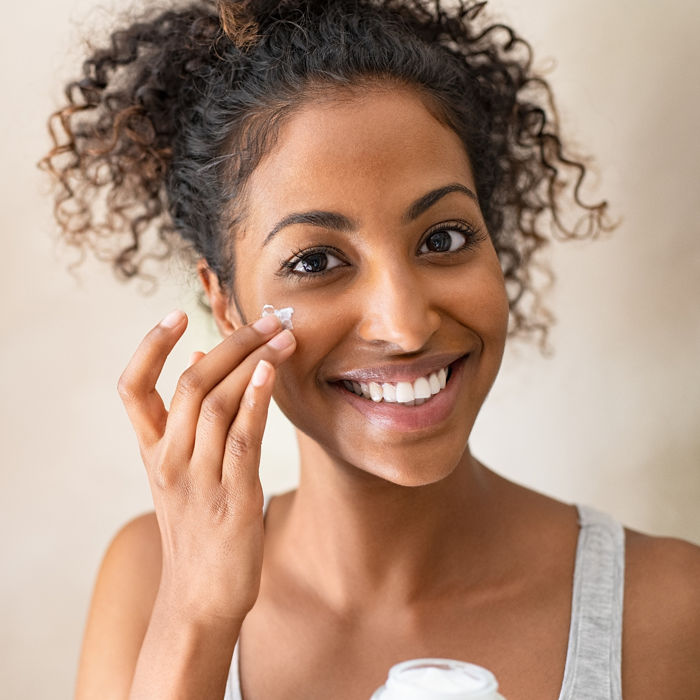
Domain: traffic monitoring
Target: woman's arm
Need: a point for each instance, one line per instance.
(122, 602)
(132, 626)
(175, 586)
(183, 656)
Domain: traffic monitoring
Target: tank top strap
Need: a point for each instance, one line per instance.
(233, 682)
(593, 660)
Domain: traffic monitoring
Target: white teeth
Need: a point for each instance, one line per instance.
(421, 388)
(434, 383)
(404, 392)
(407, 393)
(389, 392)
(375, 391)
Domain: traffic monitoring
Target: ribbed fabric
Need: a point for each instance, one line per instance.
(593, 657)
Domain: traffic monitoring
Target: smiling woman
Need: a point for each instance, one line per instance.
(387, 170)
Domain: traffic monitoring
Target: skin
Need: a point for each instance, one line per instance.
(398, 543)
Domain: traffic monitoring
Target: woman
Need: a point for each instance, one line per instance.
(387, 170)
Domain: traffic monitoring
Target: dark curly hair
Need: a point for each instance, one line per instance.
(167, 123)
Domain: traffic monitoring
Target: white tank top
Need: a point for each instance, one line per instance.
(594, 653)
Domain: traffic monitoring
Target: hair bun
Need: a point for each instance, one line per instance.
(238, 21)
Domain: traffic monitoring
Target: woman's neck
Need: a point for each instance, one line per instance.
(355, 538)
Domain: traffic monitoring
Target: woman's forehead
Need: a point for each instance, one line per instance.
(383, 146)
(369, 126)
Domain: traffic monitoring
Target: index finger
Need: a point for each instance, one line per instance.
(137, 383)
(199, 379)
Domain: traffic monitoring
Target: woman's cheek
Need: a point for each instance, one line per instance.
(487, 299)
(317, 329)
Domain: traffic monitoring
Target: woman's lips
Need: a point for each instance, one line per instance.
(399, 372)
(397, 416)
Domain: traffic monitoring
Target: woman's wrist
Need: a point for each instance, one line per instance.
(197, 612)
(186, 652)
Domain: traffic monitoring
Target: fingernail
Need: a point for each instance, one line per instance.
(281, 340)
(174, 318)
(267, 324)
(261, 373)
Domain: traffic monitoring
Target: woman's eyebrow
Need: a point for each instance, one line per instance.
(427, 200)
(339, 222)
(323, 219)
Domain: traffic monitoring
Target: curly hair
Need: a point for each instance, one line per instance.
(170, 119)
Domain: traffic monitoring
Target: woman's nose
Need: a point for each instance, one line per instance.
(396, 309)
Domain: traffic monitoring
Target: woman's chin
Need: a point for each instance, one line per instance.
(422, 470)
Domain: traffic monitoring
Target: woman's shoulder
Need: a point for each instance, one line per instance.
(135, 547)
(661, 630)
(662, 580)
(131, 566)
(133, 560)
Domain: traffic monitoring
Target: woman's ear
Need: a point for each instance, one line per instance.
(225, 314)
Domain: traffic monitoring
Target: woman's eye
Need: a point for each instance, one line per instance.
(315, 262)
(444, 241)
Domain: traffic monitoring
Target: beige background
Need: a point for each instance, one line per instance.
(610, 420)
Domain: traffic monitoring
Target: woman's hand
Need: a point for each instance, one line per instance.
(202, 460)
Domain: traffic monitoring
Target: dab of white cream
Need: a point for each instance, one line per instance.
(430, 679)
(284, 315)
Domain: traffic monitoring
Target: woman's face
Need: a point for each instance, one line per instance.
(363, 219)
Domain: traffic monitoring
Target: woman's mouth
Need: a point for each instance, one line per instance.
(412, 393)
(406, 405)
